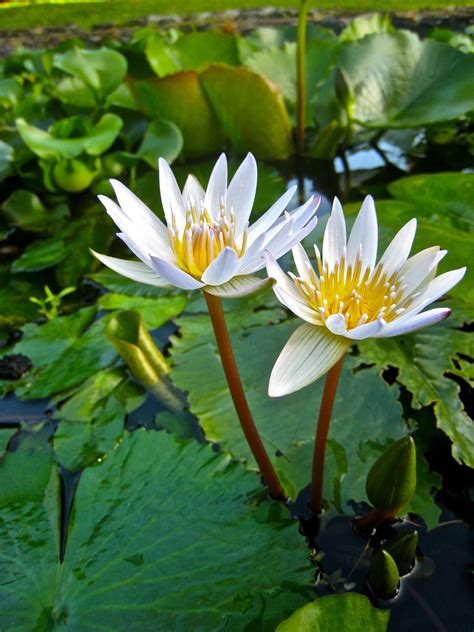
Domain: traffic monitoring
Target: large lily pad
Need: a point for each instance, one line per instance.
(287, 425)
(162, 536)
(250, 109)
(399, 81)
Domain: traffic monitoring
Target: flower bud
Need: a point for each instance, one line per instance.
(403, 549)
(383, 575)
(391, 481)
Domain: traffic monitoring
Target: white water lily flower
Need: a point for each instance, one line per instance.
(352, 297)
(207, 242)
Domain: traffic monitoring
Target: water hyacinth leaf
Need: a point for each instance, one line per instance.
(102, 71)
(161, 55)
(180, 98)
(75, 175)
(354, 446)
(98, 139)
(250, 109)
(427, 375)
(162, 139)
(25, 210)
(350, 612)
(7, 156)
(11, 93)
(199, 49)
(407, 82)
(40, 255)
(111, 577)
(363, 25)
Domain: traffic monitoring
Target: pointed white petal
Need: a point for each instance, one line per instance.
(217, 188)
(302, 262)
(241, 192)
(270, 217)
(193, 193)
(137, 250)
(222, 269)
(405, 326)
(135, 209)
(278, 249)
(309, 353)
(367, 331)
(174, 275)
(399, 248)
(135, 270)
(437, 288)
(171, 198)
(364, 236)
(334, 240)
(336, 323)
(298, 306)
(420, 268)
(238, 286)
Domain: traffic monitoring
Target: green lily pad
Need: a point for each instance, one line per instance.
(40, 255)
(154, 311)
(424, 361)
(180, 98)
(399, 81)
(25, 210)
(5, 435)
(250, 109)
(98, 139)
(350, 612)
(287, 425)
(129, 563)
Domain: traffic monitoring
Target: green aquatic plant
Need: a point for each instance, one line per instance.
(50, 305)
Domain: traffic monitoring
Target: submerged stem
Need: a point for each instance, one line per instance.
(322, 429)
(301, 76)
(267, 471)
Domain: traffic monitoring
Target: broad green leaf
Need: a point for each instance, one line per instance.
(5, 435)
(100, 70)
(129, 564)
(422, 503)
(154, 311)
(363, 25)
(162, 139)
(97, 141)
(399, 81)
(424, 361)
(180, 98)
(11, 93)
(250, 109)
(350, 612)
(287, 425)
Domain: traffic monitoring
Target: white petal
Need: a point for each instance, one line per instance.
(241, 192)
(217, 188)
(270, 217)
(334, 241)
(283, 246)
(309, 353)
(238, 286)
(419, 268)
(366, 331)
(364, 236)
(193, 193)
(336, 323)
(222, 269)
(174, 275)
(137, 250)
(302, 262)
(396, 328)
(173, 205)
(135, 209)
(135, 270)
(298, 306)
(437, 288)
(399, 248)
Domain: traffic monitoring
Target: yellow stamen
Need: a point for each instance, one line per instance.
(203, 238)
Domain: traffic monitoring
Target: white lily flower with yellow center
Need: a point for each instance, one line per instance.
(207, 243)
(352, 297)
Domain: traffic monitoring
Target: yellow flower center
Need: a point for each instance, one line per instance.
(203, 238)
(361, 297)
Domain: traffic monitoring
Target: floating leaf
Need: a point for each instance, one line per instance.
(25, 210)
(350, 612)
(162, 139)
(7, 155)
(287, 425)
(120, 557)
(154, 311)
(400, 81)
(250, 109)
